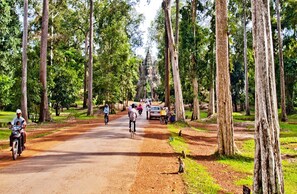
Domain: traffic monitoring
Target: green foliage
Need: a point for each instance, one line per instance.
(116, 67)
(66, 87)
(5, 90)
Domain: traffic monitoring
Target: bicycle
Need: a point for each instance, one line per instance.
(106, 118)
(131, 130)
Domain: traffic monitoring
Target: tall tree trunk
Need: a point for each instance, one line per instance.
(247, 104)
(281, 63)
(211, 104)
(90, 90)
(44, 110)
(24, 64)
(179, 104)
(167, 71)
(196, 111)
(176, 23)
(86, 72)
(224, 104)
(268, 176)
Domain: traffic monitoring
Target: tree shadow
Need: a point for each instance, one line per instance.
(61, 159)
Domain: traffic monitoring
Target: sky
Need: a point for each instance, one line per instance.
(149, 11)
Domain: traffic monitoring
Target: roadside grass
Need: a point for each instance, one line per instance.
(43, 134)
(4, 134)
(5, 117)
(241, 117)
(196, 176)
(203, 114)
(292, 118)
(71, 113)
(244, 162)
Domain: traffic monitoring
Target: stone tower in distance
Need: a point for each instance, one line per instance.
(149, 79)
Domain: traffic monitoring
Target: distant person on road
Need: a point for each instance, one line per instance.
(106, 113)
(132, 117)
(139, 108)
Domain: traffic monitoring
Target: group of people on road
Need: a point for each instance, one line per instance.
(132, 114)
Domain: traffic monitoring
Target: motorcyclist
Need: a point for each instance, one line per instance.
(20, 120)
(139, 108)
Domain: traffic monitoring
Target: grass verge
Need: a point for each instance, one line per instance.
(244, 162)
(196, 176)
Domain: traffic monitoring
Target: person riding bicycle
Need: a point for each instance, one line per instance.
(19, 120)
(106, 113)
(132, 117)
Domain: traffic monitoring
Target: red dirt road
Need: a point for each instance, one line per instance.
(87, 158)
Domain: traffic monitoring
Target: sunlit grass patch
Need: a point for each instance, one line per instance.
(292, 118)
(244, 162)
(203, 114)
(198, 179)
(196, 176)
(290, 175)
(43, 134)
(72, 113)
(178, 143)
(248, 181)
(241, 117)
(238, 163)
(6, 116)
(4, 134)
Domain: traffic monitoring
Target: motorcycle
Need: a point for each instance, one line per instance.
(140, 111)
(16, 142)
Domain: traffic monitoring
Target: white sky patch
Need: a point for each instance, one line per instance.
(149, 11)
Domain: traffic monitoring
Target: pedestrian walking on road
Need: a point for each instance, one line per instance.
(106, 114)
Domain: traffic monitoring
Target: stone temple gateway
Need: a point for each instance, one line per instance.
(149, 79)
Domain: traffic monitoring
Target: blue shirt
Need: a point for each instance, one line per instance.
(106, 110)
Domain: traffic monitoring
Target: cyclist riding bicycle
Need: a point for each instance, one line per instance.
(132, 117)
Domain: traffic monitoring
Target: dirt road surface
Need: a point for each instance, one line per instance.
(102, 160)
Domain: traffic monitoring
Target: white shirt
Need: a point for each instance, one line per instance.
(20, 119)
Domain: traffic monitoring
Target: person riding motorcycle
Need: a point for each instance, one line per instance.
(20, 120)
(139, 108)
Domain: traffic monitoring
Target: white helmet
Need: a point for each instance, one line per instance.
(18, 111)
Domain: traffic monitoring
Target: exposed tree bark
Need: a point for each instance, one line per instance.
(224, 104)
(211, 104)
(24, 100)
(167, 71)
(179, 104)
(86, 72)
(90, 85)
(176, 23)
(268, 176)
(44, 110)
(247, 104)
(196, 110)
(281, 63)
